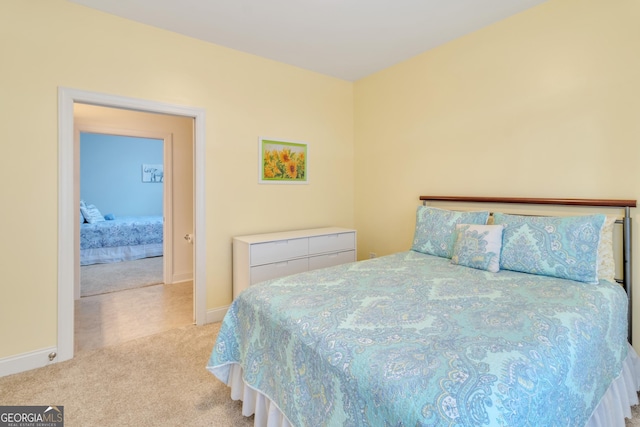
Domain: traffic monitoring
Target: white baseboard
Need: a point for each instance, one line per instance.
(216, 314)
(26, 361)
(40, 358)
(184, 277)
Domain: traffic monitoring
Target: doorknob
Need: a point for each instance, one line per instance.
(188, 238)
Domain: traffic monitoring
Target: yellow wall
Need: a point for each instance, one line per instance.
(543, 104)
(45, 44)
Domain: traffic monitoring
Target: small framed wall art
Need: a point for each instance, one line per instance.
(152, 173)
(283, 162)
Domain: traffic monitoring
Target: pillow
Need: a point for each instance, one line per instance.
(478, 246)
(82, 218)
(606, 262)
(91, 214)
(434, 234)
(564, 247)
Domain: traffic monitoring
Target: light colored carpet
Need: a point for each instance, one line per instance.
(159, 380)
(151, 381)
(97, 279)
(635, 421)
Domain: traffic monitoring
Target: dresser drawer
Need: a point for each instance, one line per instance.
(332, 243)
(268, 252)
(328, 260)
(266, 256)
(278, 269)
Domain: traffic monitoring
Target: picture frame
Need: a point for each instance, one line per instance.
(152, 173)
(282, 161)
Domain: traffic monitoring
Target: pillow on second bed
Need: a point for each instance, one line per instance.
(564, 247)
(434, 234)
(91, 213)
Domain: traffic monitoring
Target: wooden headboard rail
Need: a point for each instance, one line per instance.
(536, 201)
(626, 226)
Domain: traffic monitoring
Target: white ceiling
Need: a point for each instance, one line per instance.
(348, 39)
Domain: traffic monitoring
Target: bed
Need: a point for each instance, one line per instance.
(511, 323)
(121, 239)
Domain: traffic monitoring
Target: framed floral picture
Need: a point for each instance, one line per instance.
(283, 162)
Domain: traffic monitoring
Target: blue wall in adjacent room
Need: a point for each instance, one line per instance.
(111, 174)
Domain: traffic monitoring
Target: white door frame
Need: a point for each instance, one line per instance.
(67, 215)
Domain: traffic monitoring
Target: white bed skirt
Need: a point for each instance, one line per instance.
(612, 410)
(616, 404)
(119, 253)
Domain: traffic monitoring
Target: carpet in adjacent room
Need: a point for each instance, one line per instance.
(97, 279)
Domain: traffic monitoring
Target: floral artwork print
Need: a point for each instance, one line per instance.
(283, 161)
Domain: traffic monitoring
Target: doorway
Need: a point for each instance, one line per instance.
(69, 217)
(125, 293)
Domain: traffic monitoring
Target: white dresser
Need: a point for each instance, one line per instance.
(261, 257)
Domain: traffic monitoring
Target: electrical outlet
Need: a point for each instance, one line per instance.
(372, 255)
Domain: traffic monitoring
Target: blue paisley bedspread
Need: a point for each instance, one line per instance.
(123, 231)
(412, 340)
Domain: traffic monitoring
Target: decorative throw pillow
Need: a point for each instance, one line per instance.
(434, 233)
(564, 247)
(83, 205)
(478, 246)
(91, 213)
(606, 262)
